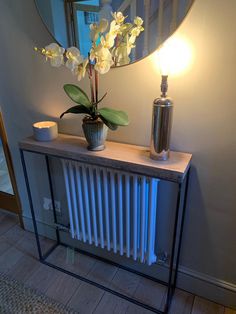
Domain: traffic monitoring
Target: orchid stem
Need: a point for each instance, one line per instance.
(91, 79)
(96, 87)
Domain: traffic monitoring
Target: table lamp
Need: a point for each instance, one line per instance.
(162, 114)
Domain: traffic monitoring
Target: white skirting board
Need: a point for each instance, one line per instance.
(190, 280)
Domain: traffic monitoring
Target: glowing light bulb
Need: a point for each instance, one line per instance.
(163, 59)
(174, 57)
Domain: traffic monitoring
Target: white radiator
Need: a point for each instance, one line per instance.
(112, 209)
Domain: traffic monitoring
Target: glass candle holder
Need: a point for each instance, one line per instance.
(45, 131)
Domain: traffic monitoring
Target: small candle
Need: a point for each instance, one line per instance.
(45, 131)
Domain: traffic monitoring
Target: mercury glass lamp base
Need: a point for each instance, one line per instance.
(162, 156)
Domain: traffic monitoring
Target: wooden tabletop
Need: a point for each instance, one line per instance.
(120, 156)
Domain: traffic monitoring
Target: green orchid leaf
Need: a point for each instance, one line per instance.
(111, 126)
(77, 95)
(114, 116)
(77, 109)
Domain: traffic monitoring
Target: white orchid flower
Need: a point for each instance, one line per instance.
(104, 54)
(124, 28)
(109, 40)
(113, 32)
(80, 70)
(103, 42)
(114, 28)
(132, 39)
(100, 53)
(55, 54)
(121, 54)
(97, 29)
(103, 59)
(102, 67)
(74, 58)
(135, 32)
(138, 21)
(119, 17)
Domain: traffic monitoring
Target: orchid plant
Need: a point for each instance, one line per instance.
(111, 48)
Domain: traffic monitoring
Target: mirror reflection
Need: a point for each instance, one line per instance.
(69, 21)
(5, 181)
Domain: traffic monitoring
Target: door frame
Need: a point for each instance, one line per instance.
(8, 201)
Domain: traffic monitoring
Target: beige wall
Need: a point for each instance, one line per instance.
(204, 116)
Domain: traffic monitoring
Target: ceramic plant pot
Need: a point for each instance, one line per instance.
(95, 132)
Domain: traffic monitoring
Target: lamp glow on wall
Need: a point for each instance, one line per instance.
(172, 58)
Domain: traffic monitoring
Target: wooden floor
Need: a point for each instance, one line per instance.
(18, 258)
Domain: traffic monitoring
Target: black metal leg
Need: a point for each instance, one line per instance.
(182, 192)
(181, 225)
(31, 205)
(52, 197)
(172, 256)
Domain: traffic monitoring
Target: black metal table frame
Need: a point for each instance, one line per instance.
(175, 247)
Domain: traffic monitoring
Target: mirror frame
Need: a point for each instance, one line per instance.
(8, 201)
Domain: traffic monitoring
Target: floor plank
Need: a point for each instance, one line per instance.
(182, 302)
(9, 258)
(2, 214)
(27, 244)
(203, 306)
(24, 268)
(102, 273)
(150, 292)
(63, 288)
(134, 309)
(125, 282)
(7, 222)
(229, 311)
(14, 234)
(72, 261)
(111, 304)
(42, 278)
(86, 298)
(115, 305)
(4, 245)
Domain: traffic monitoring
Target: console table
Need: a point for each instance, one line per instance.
(119, 166)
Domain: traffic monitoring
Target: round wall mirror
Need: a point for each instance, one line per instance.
(68, 20)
